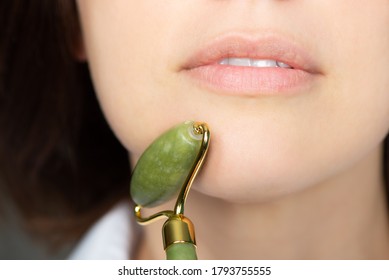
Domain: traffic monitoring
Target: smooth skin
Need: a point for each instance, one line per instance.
(295, 176)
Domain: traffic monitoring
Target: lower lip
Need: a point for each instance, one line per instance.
(251, 81)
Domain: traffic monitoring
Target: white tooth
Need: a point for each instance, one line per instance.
(239, 61)
(282, 64)
(263, 63)
(224, 61)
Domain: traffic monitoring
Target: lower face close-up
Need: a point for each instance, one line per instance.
(295, 93)
(275, 129)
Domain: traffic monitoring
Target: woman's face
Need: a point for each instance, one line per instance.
(275, 130)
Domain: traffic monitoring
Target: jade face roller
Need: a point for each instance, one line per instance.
(167, 168)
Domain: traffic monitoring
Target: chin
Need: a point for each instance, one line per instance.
(248, 180)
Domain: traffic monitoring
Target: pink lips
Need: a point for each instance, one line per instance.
(205, 68)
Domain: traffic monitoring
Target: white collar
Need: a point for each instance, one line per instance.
(112, 237)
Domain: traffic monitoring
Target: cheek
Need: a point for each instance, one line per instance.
(121, 44)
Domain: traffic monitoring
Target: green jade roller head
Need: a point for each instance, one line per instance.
(166, 169)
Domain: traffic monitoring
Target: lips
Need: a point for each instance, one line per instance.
(249, 65)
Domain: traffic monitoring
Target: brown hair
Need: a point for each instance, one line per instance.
(59, 160)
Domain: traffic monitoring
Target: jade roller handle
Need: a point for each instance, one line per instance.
(179, 239)
(181, 251)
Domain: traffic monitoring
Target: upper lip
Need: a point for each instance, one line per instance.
(272, 47)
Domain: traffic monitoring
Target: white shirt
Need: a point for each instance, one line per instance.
(112, 237)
